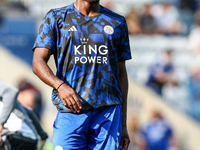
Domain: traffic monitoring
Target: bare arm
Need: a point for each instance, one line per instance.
(42, 70)
(123, 82)
(68, 96)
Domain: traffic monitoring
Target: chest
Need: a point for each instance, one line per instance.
(83, 30)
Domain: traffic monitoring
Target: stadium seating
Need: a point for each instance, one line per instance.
(144, 51)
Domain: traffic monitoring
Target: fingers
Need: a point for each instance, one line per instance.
(70, 98)
(78, 101)
(76, 104)
(72, 104)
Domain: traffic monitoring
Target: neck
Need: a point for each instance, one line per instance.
(87, 8)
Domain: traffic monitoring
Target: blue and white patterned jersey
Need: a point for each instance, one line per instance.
(86, 52)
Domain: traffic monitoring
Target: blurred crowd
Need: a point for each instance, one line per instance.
(170, 18)
(163, 18)
(167, 19)
(155, 134)
(155, 19)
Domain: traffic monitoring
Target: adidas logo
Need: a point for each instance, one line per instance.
(73, 28)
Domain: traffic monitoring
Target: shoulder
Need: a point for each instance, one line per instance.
(111, 14)
(63, 9)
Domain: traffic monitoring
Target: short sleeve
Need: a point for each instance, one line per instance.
(46, 37)
(124, 52)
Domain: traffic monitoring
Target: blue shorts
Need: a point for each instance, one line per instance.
(98, 129)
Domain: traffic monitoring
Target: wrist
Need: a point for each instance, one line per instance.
(60, 85)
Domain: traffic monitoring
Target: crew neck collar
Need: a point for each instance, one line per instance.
(85, 15)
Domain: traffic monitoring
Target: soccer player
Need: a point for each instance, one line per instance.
(18, 123)
(90, 46)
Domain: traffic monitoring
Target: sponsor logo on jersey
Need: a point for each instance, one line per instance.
(73, 28)
(84, 40)
(108, 29)
(58, 147)
(90, 54)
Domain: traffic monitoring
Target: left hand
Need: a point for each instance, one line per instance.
(125, 139)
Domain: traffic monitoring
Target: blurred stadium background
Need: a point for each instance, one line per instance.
(173, 25)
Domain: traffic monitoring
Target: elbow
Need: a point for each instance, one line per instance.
(35, 67)
(34, 71)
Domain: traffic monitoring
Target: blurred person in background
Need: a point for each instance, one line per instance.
(108, 4)
(167, 18)
(158, 133)
(1, 17)
(90, 45)
(30, 96)
(133, 22)
(194, 91)
(162, 73)
(194, 36)
(147, 21)
(189, 5)
(19, 126)
(187, 10)
(175, 3)
(136, 137)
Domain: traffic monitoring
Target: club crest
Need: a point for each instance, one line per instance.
(108, 29)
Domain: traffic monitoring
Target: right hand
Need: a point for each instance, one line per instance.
(70, 98)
